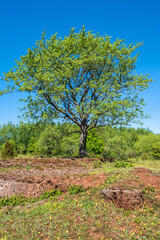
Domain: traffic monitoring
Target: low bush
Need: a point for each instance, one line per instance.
(12, 201)
(74, 189)
(52, 193)
(123, 164)
(97, 164)
(21, 200)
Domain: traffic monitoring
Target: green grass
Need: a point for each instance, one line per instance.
(108, 167)
(21, 200)
(153, 165)
(6, 169)
(84, 215)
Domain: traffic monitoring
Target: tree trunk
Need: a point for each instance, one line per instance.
(82, 143)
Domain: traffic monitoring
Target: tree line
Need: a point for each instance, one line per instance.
(62, 140)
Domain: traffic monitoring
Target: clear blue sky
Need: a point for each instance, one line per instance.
(23, 22)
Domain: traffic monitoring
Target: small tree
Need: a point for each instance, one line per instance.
(148, 144)
(95, 142)
(7, 151)
(115, 147)
(84, 78)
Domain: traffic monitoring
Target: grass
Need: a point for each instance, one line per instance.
(84, 215)
(153, 165)
(6, 169)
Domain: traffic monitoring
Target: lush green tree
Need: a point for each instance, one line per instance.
(60, 139)
(7, 131)
(49, 141)
(69, 145)
(95, 142)
(115, 147)
(14, 144)
(32, 145)
(148, 146)
(26, 131)
(84, 78)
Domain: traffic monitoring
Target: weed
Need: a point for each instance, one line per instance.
(28, 167)
(120, 164)
(152, 189)
(52, 193)
(137, 220)
(144, 191)
(74, 189)
(127, 213)
(97, 164)
(12, 201)
(21, 200)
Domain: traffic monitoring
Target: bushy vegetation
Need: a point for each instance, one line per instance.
(74, 189)
(50, 139)
(97, 164)
(21, 200)
(123, 164)
(7, 150)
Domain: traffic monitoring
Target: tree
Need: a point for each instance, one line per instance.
(84, 78)
(95, 142)
(49, 141)
(7, 150)
(115, 147)
(149, 145)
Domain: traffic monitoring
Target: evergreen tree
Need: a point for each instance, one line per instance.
(7, 151)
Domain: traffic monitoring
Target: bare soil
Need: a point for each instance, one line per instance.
(32, 176)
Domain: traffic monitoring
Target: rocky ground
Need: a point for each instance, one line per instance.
(32, 176)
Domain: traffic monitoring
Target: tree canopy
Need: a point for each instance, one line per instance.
(84, 78)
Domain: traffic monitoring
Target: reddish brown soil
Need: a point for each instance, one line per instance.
(33, 176)
(142, 178)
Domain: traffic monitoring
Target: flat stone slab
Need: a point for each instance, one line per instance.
(126, 199)
(9, 188)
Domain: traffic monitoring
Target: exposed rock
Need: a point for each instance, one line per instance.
(126, 199)
(9, 188)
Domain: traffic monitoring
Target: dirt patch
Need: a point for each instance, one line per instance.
(148, 178)
(33, 176)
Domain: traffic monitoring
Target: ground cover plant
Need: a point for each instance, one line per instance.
(80, 212)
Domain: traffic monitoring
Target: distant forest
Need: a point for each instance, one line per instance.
(62, 140)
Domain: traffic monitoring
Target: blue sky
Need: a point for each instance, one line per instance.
(23, 22)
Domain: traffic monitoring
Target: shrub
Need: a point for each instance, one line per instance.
(51, 193)
(15, 200)
(74, 189)
(148, 146)
(146, 156)
(120, 164)
(115, 147)
(12, 201)
(7, 151)
(97, 164)
(95, 143)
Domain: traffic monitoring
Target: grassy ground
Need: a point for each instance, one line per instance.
(84, 215)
